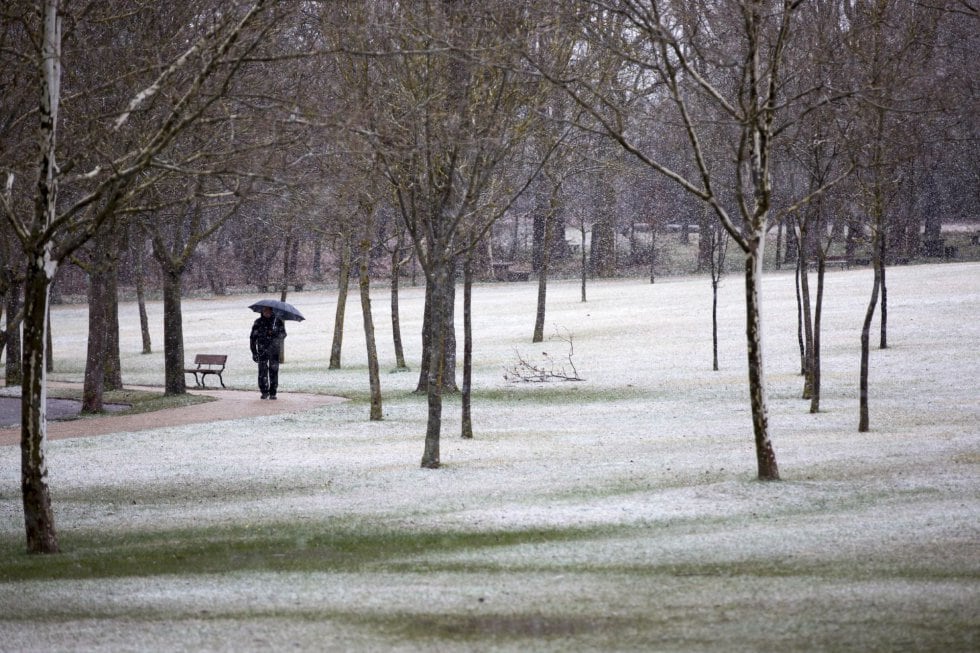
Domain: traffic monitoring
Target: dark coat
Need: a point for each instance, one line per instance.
(267, 335)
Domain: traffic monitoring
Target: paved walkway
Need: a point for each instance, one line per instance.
(230, 404)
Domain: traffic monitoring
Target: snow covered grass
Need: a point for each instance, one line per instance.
(618, 513)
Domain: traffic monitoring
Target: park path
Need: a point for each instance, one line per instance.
(229, 404)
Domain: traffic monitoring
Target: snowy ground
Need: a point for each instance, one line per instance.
(618, 513)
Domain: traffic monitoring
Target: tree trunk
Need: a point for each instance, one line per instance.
(883, 342)
(49, 344)
(338, 321)
(441, 286)
(38, 513)
(97, 340)
(113, 362)
(467, 423)
(766, 457)
(173, 335)
(864, 422)
(779, 244)
(803, 262)
(799, 320)
(653, 253)
(585, 263)
(214, 269)
(538, 335)
(287, 250)
(815, 357)
(396, 329)
(706, 246)
(13, 374)
(603, 250)
(141, 298)
(364, 283)
(515, 235)
(41, 268)
(317, 256)
(430, 336)
(714, 322)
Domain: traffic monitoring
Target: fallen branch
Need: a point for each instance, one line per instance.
(548, 369)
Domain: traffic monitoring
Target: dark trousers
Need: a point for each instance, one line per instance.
(268, 376)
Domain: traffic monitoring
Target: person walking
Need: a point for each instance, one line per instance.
(268, 333)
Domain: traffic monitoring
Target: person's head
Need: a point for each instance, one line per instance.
(266, 312)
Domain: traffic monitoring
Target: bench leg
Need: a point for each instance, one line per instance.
(222, 380)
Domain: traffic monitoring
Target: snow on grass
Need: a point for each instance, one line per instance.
(619, 513)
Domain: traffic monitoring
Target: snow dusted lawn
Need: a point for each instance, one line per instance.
(619, 513)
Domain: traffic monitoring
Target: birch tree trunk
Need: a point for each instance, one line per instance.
(38, 513)
(41, 268)
(765, 456)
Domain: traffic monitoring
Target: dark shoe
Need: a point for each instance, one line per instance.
(265, 396)
(272, 396)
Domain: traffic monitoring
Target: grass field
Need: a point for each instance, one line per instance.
(619, 513)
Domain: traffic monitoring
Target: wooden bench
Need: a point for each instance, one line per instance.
(207, 364)
(503, 271)
(832, 261)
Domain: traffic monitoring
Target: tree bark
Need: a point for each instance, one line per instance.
(467, 421)
(441, 284)
(714, 324)
(38, 513)
(803, 263)
(815, 357)
(430, 336)
(364, 283)
(343, 284)
(545, 259)
(95, 359)
(765, 456)
(13, 374)
(801, 341)
(396, 328)
(141, 297)
(585, 262)
(113, 363)
(173, 335)
(41, 268)
(864, 420)
(883, 340)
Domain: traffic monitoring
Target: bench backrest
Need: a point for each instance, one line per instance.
(210, 359)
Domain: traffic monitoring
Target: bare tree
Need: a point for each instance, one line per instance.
(720, 69)
(890, 44)
(443, 117)
(73, 192)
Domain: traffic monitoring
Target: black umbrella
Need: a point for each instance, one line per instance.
(282, 310)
